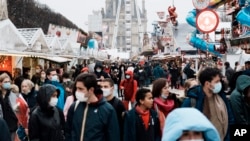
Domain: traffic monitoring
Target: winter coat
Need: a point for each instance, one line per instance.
(5, 134)
(130, 87)
(8, 113)
(185, 119)
(158, 72)
(46, 128)
(46, 123)
(240, 108)
(30, 98)
(197, 93)
(133, 126)
(101, 122)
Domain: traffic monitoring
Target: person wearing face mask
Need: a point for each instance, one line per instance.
(91, 117)
(52, 78)
(210, 99)
(107, 86)
(164, 102)
(29, 93)
(189, 124)
(46, 122)
(129, 86)
(99, 72)
(8, 113)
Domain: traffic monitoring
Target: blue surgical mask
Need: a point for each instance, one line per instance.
(98, 70)
(54, 78)
(193, 140)
(217, 87)
(7, 86)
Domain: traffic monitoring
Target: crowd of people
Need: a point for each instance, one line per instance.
(113, 102)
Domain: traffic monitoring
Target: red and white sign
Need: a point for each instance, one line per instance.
(207, 21)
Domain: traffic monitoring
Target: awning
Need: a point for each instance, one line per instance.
(240, 40)
(57, 59)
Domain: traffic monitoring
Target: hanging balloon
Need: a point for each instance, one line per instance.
(92, 44)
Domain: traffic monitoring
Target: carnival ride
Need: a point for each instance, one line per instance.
(201, 43)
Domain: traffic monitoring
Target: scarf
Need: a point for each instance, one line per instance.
(216, 111)
(163, 108)
(144, 115)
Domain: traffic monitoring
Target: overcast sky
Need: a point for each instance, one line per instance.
(78, 10)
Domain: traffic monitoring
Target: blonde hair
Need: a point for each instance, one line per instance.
(187, 84)
(28, 82)
(14, 88)
(4, 76)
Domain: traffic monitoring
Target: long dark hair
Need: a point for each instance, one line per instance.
(158, 84)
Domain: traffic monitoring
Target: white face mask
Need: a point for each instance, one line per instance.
(217, 87)
(164, 96)
(106, 92)
(81, 96)
(127, 76)
(53, 101)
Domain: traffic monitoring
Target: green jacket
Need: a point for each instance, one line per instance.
(240, 108)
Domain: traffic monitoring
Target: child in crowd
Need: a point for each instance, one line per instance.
(141, 123)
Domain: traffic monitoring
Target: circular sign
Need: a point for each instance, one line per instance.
(201, 4)
(207, 21)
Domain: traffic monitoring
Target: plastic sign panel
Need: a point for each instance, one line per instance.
(201, 4)
(207, 21)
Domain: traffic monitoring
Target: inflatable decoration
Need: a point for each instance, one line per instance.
(173, 15)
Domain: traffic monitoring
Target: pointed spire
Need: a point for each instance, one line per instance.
(3, 10)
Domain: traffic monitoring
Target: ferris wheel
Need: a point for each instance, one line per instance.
(128, 24)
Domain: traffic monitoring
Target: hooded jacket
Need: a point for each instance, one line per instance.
(46, 123)
(130, 86)
(183, 119)
(61, 98)
(240, 108)
(102, 73)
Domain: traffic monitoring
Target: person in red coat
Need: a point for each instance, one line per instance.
(129, 86)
